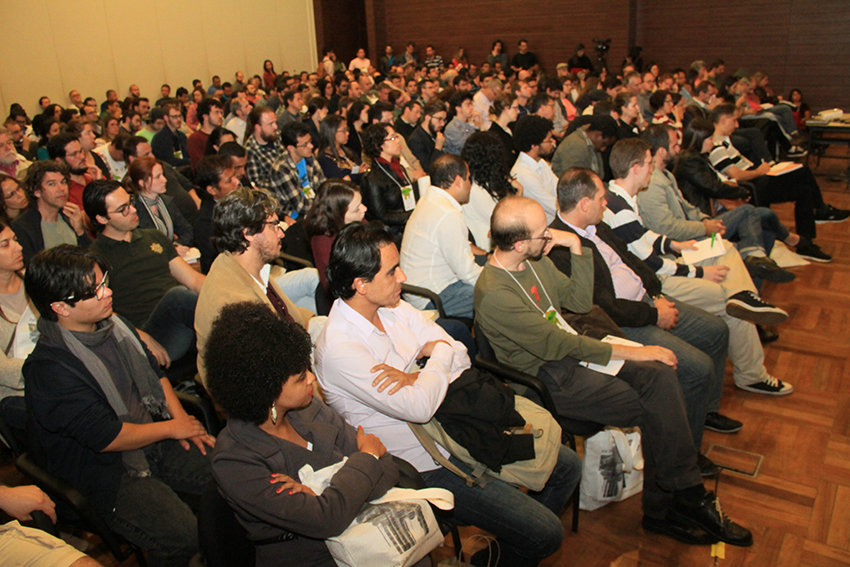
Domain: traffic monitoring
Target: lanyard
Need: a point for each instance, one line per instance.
(551, 305)
(391, 175)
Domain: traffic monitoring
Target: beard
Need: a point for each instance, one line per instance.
(432, 130)
(269, 137)
(79, 170)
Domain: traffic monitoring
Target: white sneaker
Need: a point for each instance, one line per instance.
(770, 386)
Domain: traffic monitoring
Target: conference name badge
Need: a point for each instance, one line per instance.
(408, 198)
(308, 192)
(556, 319)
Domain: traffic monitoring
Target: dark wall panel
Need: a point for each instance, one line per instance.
(799, 43)
(552, 27)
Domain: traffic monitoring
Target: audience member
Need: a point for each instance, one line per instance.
(216, 178)
(534, 142)
(170, 144)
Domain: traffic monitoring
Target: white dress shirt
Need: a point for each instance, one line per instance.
(538, 182)
(237, 126)
(435, 251)
(477, 213)
(350, 346)
(482, 104)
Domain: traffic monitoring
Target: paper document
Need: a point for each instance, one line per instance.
(784, 167)
(705, 250)
(613, 366)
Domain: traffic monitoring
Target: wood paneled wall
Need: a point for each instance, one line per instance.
(799, 43)
(552, 27)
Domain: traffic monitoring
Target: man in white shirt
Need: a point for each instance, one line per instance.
(366, 360)
(434, 254)
(533, 139)
(485, 98)
(240, 107)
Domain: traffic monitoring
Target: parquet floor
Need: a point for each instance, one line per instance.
(798, 503)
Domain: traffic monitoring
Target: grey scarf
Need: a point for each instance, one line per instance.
(163, 221)
(136, 363)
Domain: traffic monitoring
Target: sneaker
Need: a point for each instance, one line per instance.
(707, 468)
(722, 424)
(750, 307)
(811, 251)
(831, 214)
(766, 269)
(796, 152)
(770, 386)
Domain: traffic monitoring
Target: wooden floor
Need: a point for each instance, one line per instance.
(798, 502)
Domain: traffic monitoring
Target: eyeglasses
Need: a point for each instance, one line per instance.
(547, 236)
(99, 291)
(392, 138)
(277, 224)
(124, 209)
(13, 192)
(304, 145)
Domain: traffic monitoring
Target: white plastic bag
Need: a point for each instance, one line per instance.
(612, 469)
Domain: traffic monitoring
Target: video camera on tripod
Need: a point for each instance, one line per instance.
(602, 46)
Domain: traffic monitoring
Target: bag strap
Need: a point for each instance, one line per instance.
(627, 453)
(439, 497)
(431, 447)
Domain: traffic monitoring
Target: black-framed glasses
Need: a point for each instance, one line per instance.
(99, 291)
(546, 236)
(277, 224)
(124, 209)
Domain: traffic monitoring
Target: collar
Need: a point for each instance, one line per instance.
(439, 191)
(365, 327)
(583, 134)
(529, 161)
(617, 190)
(588, 232)
(263, 282)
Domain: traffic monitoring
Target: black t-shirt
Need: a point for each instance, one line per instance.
(525, 60)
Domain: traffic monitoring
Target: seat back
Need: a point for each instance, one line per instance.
(223, 540)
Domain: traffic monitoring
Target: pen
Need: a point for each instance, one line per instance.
(712, 239)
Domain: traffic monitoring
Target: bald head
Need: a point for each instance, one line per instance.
(512, 219)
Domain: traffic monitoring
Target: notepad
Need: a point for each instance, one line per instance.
(784, 167)
(704, 250)
(613, 366)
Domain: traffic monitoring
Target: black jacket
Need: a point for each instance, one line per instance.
(423, 147)
(624, 312)
(27, 228)
(699, 182)
(382, 196)
(165, 143)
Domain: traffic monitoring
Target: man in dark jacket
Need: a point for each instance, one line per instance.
(106, 420)
(426, 141)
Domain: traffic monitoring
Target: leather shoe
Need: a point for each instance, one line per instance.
(765, 268)
(767, 336)
(718, 422)
(709, 516)
(706, 466)
(686, 534)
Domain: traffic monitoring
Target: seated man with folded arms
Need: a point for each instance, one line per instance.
(21, 545)
(153, 287)
(630, 293)
(106, 419)
(720, 285)
(663, 209)
(434, 253)
(247, 233)
(518, 300)
(371, 340)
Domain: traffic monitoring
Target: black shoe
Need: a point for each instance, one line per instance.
(722, 424)
(767, 336)
(831, 214)
(770, 386)
(709, 516)
(766, 269)
(686, 534)
(811, 251)
(707, 468)
(748, 306)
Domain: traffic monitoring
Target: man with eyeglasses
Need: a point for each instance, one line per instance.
(518, 301)
(427, 141)
(170, 144)
(295, 176)
(104, 415)
(533, 139)
(154, 288)
(248, 235)
(50, 219)
(484, 99)
(12, 162)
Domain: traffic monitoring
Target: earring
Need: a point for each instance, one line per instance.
(274, 415)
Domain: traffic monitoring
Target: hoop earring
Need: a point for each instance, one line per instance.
(274, 415)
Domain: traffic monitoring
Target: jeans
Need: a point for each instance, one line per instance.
(300, 287)
(645, 394)
(456, 299)
(756, 228)
(149, 513)
(700, 342)
(528, 526)
(172, 322)
(459, 332)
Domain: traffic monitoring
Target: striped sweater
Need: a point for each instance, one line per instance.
(622, 216)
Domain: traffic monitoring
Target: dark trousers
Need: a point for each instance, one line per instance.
(799, 186)
(644, 394)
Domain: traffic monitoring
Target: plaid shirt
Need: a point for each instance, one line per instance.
(261, 158)
(285, 183)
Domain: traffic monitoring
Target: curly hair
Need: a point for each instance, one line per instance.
(373, 139)
(245, 209)
(327, 215)
(485, 156)
(250, 354)
(35, 176)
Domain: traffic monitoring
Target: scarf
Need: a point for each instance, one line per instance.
(135, 363)
(395, 165)
(163, 219)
